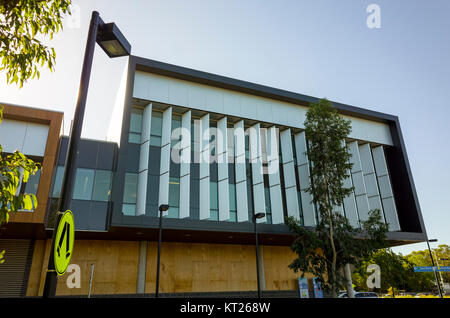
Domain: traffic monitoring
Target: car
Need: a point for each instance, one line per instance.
(359, 295)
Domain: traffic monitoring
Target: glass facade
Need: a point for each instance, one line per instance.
(134, 135)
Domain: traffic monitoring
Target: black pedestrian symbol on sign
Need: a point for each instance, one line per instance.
(65, 234)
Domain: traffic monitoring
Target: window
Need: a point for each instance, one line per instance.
(58, 182)
(156, 129)
(176, 123)
(84, 182)
(102, 185)
(174, 198)
(130, 194)
(213, 199)
(134, 135)
(233, 209)
(31, 186)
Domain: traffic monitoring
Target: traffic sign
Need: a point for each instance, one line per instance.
(63, 250)
(420, 269)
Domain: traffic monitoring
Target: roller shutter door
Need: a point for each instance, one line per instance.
(15, 270)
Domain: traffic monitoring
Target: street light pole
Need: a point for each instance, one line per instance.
(432, 264)
(162, 208)
(255, 217)
(114, 44)
(68, 180)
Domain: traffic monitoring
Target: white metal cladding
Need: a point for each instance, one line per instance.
(384, 183)
(290, 186)
(372, 187)
(204, 168)
(158, 88)
(141, 199)
(240, 172)
(351, 212)
(362, 202)
(222, 170)
(259, 202)
(165, 158)
(309, 217)
(370, 179)
(273, 166)
(185, 166)
(28, 138)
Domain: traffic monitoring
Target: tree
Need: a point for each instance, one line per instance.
(22, 22)
(326, 249)
(397, 272)
(422, 258)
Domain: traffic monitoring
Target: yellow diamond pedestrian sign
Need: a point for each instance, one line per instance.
(65, 235)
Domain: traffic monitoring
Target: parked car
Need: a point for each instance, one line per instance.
(359, 295)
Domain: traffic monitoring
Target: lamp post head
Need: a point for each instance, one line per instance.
(163, 207)
(258, 216)
(432, 240)
(112, 41)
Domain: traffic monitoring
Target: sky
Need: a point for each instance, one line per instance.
(321, 48)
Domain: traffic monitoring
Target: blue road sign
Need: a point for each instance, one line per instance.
(420, 269)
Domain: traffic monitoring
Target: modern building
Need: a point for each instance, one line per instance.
(217, 150)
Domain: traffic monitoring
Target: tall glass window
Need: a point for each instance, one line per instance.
(156, 129)
(297, 180)
(84, 182)
(174, 198)
(102, 185)
(134, 135)
(58, 182)
(214, 201)
(233, 208)
(130, 194)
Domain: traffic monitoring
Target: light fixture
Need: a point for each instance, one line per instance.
(112, 41)
(163, 207)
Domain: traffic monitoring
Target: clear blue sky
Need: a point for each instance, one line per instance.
(321, 48)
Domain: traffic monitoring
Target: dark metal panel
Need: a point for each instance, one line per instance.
(81, 213)
(87, 154)
(98, 213)
(106, 156)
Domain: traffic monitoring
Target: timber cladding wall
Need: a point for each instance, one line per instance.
(185, 267)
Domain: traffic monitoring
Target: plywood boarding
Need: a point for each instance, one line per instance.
(115, 271)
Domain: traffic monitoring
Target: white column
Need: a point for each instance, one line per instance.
(240, 172)
(362, 202)
(205, 212)
(185, 165)
(370, 179)
(384, 183)
(222, 170)
(259, 201)
(351, 212)
(290, 184)
(309, 214)
(273, 170)
(165, 158)
(141, 199)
